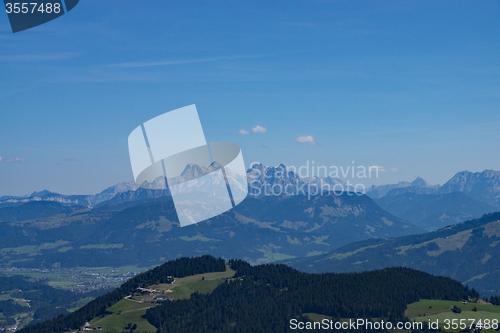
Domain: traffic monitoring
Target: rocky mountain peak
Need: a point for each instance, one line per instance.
(419, 182)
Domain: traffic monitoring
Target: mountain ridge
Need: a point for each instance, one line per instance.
(483, 186)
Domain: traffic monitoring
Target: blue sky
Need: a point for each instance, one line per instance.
(412, 86)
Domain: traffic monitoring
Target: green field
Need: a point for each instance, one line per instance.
(25, 304)
(127, 305)
(33, 248)
(4, 297)
(117, 270)
(433, 310)
(196, 278)
(124, 312)
(19, 250)
(102, 246)
(316, 317)
(46, 246)
(182, 288)
(270, 256)
(65, 248)
(185, 291)
(118, 322)
(197, 237)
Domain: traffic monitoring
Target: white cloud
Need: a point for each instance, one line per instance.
(259, 129)
(244, 132)
(17, 159)
(0, 158)
(377, 167)
(307, 139)
(394, 170)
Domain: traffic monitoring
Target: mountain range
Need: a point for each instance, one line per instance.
(146, 231)
(82, 200)
(419, 186)
(465, 196)
(261, 180)
(427, 206)
(482, 186)
(264, 180)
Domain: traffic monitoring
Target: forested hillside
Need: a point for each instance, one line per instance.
(264, 298)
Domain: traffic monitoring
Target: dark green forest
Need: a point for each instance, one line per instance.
(495, 300)
(9, 308)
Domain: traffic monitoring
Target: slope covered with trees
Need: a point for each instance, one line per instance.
(265, 298)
